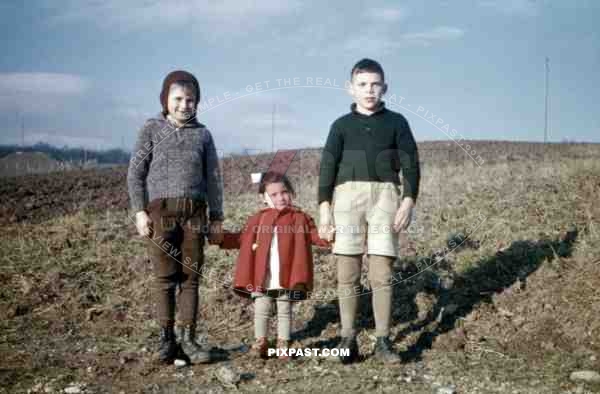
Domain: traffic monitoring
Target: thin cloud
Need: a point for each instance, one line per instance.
(39, 92)
(512, 7)
(42, 83)
(377, 43)
(387, 14)
(371, 45)
(213, 16)
(429, 37)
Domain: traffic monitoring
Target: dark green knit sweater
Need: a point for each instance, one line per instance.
(369, 148)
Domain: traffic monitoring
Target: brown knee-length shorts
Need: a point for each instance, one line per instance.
(176, 245)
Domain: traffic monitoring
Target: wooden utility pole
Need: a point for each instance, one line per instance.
(273, 129)
(546, 98)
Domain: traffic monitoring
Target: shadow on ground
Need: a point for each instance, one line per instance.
(454, 300)
(479, 284)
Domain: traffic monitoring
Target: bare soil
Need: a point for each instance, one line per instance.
(513, 309)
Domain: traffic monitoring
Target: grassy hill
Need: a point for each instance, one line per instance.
(513, 309)
(21, 163)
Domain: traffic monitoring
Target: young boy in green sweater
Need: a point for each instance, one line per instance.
(359, 194)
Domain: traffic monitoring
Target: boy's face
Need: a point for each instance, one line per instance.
(277, 196)
(366, 89)
(181, 103)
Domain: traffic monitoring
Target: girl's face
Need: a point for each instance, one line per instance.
(277, 196)
(181, 104)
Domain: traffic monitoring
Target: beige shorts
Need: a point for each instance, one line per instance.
(366, 209)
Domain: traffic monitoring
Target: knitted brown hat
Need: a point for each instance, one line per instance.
(177, 76)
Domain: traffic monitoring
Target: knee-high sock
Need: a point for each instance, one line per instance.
(348, 274)
(380, 272)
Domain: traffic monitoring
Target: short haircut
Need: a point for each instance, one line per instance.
(367, 65)
(186, 85)
(275, 177)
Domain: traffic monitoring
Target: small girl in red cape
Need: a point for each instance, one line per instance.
(275, 261)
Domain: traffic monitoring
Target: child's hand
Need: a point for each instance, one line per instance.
(215, 234)
(230, 240)
(325, 248)
(327, 232)
(326, 227)
(143, 223)
(403, 215)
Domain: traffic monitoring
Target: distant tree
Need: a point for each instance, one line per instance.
(568, 140)
(66, 153)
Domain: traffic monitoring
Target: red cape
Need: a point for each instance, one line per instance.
(296, 234)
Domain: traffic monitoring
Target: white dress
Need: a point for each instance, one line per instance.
(272, 277)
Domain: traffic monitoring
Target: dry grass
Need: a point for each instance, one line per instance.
(519, 302)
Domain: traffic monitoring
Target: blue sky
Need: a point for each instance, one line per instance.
(88, 73)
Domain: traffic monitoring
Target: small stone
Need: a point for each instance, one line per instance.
(592, 358)
(518, 320)
(91, 313)
(228, 376)
(446, 390)
(585, 376)
(73, 390)
(548, 346)
(505, 312)
(179, 363)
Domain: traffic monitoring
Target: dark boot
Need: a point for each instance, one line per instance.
(284, 344)
(186, 334)
(260, 347)
(168, 346)
(350, 344)
(384, 351)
